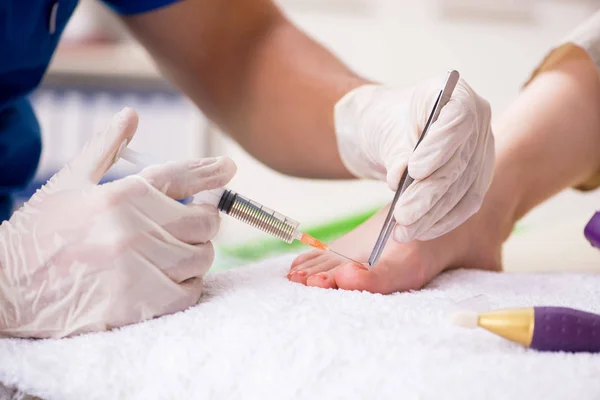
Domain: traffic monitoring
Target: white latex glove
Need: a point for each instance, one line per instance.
(81, 257)
(377, 129)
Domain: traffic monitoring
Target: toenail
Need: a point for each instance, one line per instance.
(301, 273)
(321, 276)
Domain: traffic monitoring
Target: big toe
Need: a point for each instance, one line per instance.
(382, 279)
(304, 258)
(354, 276)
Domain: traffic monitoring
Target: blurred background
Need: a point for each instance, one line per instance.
(494, 44)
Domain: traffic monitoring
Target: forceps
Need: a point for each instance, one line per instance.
(388, 226)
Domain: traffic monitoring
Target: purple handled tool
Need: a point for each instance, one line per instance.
(592, 230)
(540, 328)
(565, 329)
(544, 328)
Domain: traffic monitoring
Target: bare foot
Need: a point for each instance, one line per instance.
(401, 266)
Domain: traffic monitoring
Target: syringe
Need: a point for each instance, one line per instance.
(241, 208)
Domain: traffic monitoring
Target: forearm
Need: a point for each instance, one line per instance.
(291, 87)
(257, 76)
(549, 139)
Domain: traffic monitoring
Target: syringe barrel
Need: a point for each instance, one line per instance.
(258, 216)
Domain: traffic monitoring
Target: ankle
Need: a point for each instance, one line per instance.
(498, 218)
(501, 206)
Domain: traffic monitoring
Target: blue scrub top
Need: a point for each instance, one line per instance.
(26, 46)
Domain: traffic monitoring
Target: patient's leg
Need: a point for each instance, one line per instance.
(548, 140)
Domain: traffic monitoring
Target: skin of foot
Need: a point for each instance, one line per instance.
(401, 266)
(547, 141)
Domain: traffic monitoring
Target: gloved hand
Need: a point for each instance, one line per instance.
(377, 129)
(81, 257)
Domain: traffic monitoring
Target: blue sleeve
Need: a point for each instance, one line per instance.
(131, 7)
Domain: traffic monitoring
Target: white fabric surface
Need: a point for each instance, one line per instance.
(255, 335)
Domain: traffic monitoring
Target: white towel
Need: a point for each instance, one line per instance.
(255, 335)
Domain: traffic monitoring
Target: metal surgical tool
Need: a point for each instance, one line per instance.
(388, 226)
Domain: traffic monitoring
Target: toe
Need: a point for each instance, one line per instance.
(319, 260)
(324, 266)
(352, 276)
(298, 276)
(315, 271)
(323, 280)
(305, 257)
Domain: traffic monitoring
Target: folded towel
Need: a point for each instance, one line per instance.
(255, 335)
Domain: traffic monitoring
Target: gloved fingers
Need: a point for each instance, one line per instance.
(194, 286)
(145, 222)
(394, 173)
(168, 298)
(156, 250)
(188, 294)
(454, 127)
(442, 220)
(423, 196)
(198, 225)
(135, 199)
(407, 233)
(465, 209)
(197, 263)
(182, 179)
(99, 153)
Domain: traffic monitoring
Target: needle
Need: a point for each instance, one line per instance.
(317, 244)
(343, 256)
